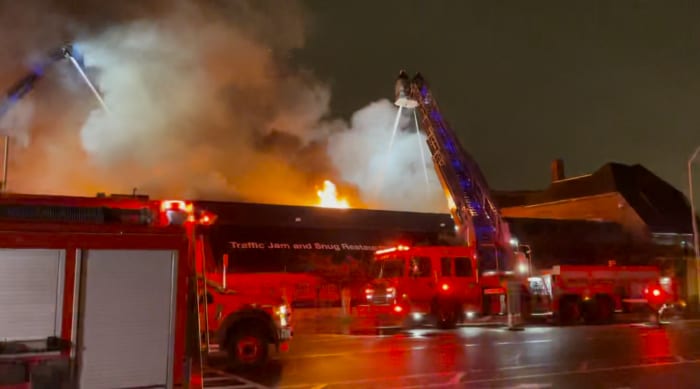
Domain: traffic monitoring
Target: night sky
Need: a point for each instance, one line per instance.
(524, 82)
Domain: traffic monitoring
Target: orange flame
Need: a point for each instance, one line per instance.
(328, 197)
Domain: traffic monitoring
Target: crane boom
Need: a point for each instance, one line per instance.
(476, 216)
(26, 84)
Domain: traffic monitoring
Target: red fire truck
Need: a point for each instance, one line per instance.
(414, 285)
(441, 285)
(487, 272)
(593, 294)
(100, 292)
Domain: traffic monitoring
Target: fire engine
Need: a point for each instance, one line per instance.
(569, 294)
(487, 273)
(102, 292)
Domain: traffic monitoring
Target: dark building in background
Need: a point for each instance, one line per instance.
(621, 213)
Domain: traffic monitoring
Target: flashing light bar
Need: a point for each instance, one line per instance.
(179, 212)
(392, 249)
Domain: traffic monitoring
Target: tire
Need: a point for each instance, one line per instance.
(445, 316)
(569, 311)
(606, 309)
(247, 347)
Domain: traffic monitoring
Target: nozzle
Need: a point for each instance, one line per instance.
(403, 91)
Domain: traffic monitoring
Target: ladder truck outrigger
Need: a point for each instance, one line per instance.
(488, 273)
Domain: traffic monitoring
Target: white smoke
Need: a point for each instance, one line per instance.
(200, 105)
(392, 178)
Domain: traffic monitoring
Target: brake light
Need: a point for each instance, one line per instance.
(369, 291)
(398, 308)
(656, 293)
(445, 287)
(206, 218)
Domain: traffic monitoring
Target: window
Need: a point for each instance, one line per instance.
(463, 267)
(387, 268)
(446, 267)
(420, 267)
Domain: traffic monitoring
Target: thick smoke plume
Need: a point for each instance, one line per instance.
(202, 104)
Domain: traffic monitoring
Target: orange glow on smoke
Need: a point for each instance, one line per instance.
(328, 196)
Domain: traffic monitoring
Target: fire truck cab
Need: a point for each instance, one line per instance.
(420, 285)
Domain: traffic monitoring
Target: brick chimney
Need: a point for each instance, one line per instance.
(558, 170)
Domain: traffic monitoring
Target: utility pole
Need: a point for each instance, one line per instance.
(5, 161)
(694, 222)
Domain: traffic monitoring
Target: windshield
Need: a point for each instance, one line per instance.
(387, 268)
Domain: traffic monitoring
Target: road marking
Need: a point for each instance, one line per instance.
(229, 376)
(320, 386)
(519, 367)
(457, 377)
(573, 372)
(525, 342)
(370, 380)
(344, 353)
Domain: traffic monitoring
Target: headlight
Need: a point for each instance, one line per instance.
(284, 313)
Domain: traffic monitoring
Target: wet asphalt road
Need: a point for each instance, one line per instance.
(613, 356)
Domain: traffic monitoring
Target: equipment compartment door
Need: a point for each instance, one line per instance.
(31, 293)
(127, 304)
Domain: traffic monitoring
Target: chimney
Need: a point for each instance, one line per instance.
(558, 170)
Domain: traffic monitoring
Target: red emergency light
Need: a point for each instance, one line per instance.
(179, 212)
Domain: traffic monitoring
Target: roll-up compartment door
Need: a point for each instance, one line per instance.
(31, 293)
(127, 318)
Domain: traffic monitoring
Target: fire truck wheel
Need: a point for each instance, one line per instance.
(445, 315)
(606, 309)
(247, 347)
(569, 310)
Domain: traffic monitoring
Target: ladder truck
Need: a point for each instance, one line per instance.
(446, 283)
(488, 273)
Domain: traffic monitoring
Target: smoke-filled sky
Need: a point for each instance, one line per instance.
(262, 100)
(525, 82)
(203, 102)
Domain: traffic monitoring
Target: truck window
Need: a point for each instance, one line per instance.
(420, 267)
(463, 267)
(387, 268)
(446, 266)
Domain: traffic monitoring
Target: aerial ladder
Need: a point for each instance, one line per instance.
(25, 85)
(477, 219)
